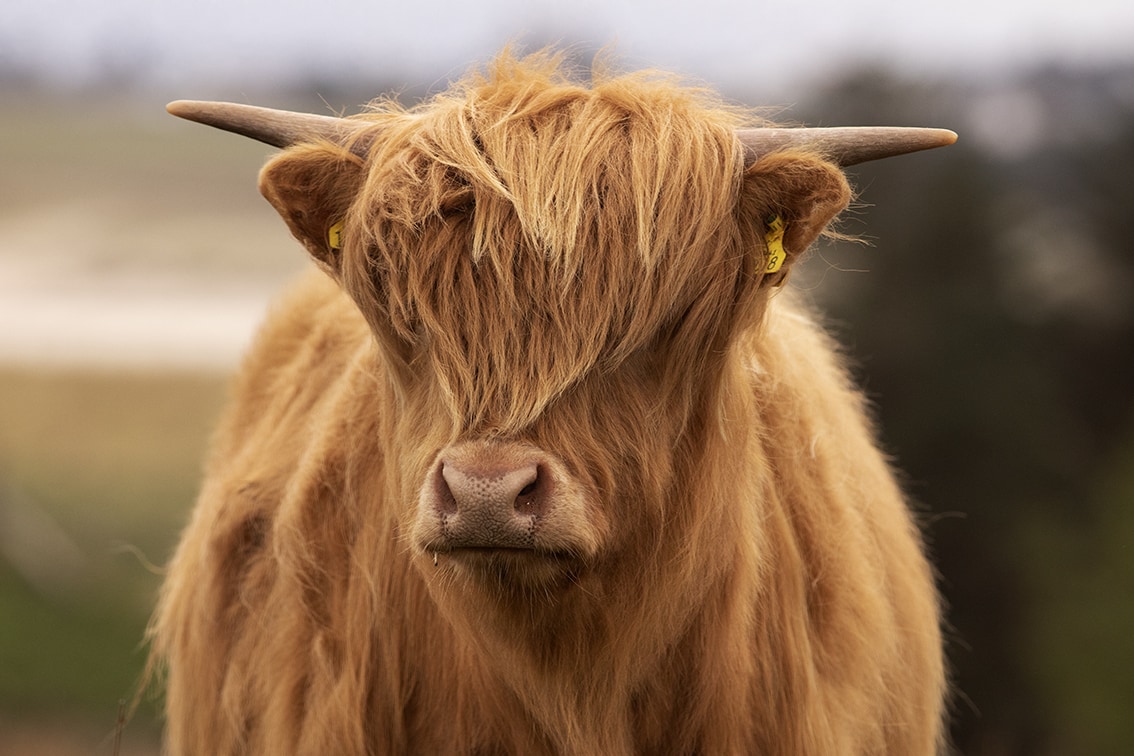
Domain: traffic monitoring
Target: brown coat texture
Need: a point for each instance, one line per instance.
(572, 276)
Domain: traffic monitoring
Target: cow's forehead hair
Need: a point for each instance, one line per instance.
(534, 228)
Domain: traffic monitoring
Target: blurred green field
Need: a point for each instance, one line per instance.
(108, 200)
(97, 473)
(103, 197)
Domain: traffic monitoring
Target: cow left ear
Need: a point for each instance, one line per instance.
(791, 197)
(312, 187)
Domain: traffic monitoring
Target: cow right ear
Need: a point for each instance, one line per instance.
(792, 196)
(312, 187)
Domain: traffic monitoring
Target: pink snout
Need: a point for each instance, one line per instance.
(495, 496)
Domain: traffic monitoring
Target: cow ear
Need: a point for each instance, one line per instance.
(312, 187)
(791, 196)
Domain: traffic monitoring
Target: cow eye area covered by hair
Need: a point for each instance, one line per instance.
(501, 331)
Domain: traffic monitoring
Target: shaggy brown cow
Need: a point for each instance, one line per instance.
(544, 461)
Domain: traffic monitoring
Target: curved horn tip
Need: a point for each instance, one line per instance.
(947, 137)
(279, 128)
(845, 145)
(199, 111)
(179, 108)
(192, 110)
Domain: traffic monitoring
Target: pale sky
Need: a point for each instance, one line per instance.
(235, 42)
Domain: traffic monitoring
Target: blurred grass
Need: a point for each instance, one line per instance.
(99, 471)
(101, 196)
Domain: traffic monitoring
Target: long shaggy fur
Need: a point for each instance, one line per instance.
(579, 268)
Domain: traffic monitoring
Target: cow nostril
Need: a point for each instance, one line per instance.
(443, 499)
(529, 498)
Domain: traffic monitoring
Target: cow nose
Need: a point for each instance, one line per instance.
(490, 495)
(483, 497)
(484, 489)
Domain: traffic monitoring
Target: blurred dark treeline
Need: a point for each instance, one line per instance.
(991, 321)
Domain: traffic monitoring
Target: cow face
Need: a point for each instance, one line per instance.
(555, 277)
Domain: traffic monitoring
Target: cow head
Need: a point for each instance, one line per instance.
(555, 276)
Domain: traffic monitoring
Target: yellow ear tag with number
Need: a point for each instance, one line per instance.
(774, 241)
(335, 236)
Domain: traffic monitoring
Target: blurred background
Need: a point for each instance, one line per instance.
(990, 316)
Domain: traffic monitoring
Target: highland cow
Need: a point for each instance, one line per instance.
(545, 459)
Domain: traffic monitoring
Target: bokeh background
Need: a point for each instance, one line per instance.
(990, 316)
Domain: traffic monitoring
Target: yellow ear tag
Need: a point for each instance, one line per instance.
(335, 236)
(774, 241)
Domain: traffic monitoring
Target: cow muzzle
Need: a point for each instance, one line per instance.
(496, 501)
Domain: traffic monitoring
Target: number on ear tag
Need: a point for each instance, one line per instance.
(335, 236)
(774, 241)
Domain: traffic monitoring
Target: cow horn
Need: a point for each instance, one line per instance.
(845, 146)
(279, 128)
